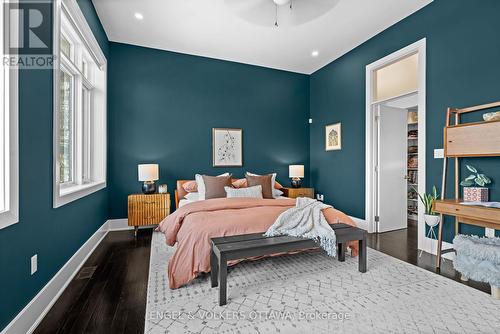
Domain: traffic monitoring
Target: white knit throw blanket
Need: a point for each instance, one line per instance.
(306, 220)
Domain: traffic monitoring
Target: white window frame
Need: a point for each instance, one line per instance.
(89, 174)
(9, 155)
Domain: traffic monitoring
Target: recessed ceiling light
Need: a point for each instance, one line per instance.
(138, 16)
(315, 53)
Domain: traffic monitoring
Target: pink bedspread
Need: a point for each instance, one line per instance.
(192, 226)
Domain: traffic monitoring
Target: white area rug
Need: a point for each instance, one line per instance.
(317, 294)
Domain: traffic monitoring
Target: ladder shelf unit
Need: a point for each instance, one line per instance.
(464, 140)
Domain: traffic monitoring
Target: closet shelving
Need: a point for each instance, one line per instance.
(412, 167)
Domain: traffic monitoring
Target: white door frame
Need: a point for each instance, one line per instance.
(420, 48)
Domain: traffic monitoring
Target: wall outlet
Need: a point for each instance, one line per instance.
(438, 153)
(320, 197)
(310, 120)
(34, 264)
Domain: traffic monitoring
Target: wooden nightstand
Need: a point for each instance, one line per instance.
(298, 192)
(147, 209)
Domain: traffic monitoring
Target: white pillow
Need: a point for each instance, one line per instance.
(253, 192)
(276, 193)
(201, 185)
(192, 197)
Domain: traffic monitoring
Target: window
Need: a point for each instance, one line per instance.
(66, 129)
(396, 79)
(80, 111)
(9, 199)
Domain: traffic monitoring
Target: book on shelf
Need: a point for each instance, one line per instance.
(495, 205)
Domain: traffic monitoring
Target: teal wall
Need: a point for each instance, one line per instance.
(463, 69)
(163, 106)
(54, 234)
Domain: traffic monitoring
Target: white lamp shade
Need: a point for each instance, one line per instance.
(296, 171)
(148, 172)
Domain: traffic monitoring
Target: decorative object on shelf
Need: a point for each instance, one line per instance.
(431, 218)
(412, 176)
(412, 149)
(492, 116)
(477, 259)
(413, 134)
(413, 161)
(148, 173)
(412, 117)
(475, 194)
(162, 189)
(227, 147)
(296, 173)
(412, 194)
(333, 137)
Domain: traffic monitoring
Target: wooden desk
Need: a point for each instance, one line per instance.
(465, 214)
(462, 140)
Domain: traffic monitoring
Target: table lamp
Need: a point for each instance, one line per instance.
(296, 173)
(148, 173)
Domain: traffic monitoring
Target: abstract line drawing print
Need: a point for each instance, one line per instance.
(227, 147)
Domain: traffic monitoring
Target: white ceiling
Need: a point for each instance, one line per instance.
(217, 30)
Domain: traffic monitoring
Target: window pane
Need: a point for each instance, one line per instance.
(65, 47)
(86, 138)
(397, 79)
(4, 131)
(65, 127)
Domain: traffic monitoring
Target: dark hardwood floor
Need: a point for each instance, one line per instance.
(402, 244)
(113, 299)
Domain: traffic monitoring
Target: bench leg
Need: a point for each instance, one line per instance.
(222, 280)
(214, 269)
(341, 250)
(362, 255)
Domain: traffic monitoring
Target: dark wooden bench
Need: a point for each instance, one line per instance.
(249, 245)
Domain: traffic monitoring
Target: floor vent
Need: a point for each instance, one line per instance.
(86, 272)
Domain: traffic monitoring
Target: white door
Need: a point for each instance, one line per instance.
(392, 168)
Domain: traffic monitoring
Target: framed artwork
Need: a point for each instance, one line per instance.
(227, 147)
(333, 137)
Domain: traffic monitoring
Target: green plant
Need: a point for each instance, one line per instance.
(475, 178)
(428, 200)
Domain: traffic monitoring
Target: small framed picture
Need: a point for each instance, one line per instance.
(333, 137)
(227, 147)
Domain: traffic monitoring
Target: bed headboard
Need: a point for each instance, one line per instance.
(180, 192)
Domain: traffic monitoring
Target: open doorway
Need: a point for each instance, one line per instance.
(396, 162)
(395, 142)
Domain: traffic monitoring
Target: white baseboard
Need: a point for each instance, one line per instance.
(118, 225)
(122, 225)
(28, 319)
(361, 223)
(429, 245)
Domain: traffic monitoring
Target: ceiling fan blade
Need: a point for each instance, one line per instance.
(259, 12)
(305, 11)
(262, 12)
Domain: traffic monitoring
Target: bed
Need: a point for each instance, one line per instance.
(191, 227)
